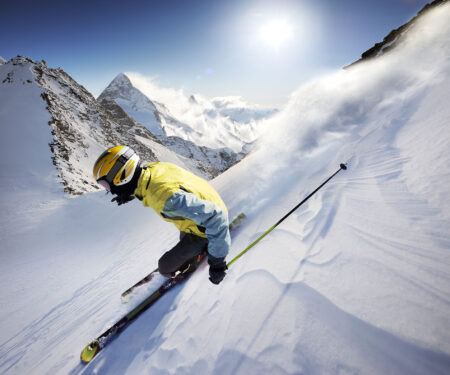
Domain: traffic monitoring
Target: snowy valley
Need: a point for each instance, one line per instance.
(357, 281)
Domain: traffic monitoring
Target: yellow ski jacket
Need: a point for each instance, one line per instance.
(187, 201)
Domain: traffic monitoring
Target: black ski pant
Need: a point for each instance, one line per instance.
(184, 252)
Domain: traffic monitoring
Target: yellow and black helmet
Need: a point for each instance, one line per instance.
(116, 167)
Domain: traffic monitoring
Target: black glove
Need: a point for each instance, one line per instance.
(217, 268)
(122, 199)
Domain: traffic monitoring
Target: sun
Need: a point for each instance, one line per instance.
(276, 32)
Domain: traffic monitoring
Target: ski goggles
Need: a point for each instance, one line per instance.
(123, 159)
(105, 184)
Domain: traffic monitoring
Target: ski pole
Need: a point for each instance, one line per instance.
(341, 167)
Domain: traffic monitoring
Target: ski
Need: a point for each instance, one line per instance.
(127, 295)
(96, 345)
(237, 222)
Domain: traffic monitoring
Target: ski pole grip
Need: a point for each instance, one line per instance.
(343, 166)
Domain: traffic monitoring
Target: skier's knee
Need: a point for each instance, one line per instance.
(164, 267)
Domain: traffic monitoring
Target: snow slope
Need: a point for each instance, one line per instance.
(25, 120)
(356, 281)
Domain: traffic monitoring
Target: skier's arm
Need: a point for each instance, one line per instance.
(205, 214)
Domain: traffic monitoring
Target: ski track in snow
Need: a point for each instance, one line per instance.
(356, 281)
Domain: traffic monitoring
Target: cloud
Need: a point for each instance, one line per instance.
(221, 122)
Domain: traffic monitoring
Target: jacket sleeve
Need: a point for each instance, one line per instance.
(205, 214)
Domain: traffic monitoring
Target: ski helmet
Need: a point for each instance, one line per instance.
(116, 167)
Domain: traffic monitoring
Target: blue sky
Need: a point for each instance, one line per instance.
(207, 47)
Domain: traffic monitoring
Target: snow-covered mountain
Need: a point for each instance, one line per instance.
(228, 124)
(121, 97)
(134, 103)
(2, 60)
(355, 282)
(78, 128)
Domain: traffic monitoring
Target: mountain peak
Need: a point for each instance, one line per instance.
(122, 78)
(122, 92)
(119, 83)
(193, 99)
(120, 88)
(2, 60)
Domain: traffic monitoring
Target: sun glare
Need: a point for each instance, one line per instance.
(276, 32)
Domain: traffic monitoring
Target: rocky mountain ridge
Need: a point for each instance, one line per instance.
(81, 128)
(396, 36)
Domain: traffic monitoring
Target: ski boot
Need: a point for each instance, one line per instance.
(191, 265)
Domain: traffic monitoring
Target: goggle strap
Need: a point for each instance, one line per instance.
(118, 165)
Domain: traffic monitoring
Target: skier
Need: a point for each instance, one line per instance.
(179, 197)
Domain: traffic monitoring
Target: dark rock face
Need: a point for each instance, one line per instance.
(77, 122)
(396, 36)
